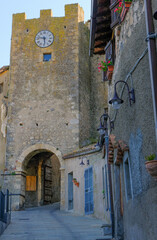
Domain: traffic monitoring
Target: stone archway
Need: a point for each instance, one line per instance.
(35, 162)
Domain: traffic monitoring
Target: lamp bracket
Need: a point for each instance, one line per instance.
(151, 36)
(132, 95)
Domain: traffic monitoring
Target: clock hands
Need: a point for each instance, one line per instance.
(44, 38)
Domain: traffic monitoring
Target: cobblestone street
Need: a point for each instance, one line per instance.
(48, 223)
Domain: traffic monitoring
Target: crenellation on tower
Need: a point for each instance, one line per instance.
(19, 17)
(46, 13)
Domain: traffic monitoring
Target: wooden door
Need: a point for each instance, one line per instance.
(47, 183)
(70, 191)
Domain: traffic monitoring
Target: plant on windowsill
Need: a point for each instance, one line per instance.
(74, 180)
(122, 8)
(151, 165)
(106, 67)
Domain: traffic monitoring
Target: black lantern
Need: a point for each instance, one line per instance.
(116, 101)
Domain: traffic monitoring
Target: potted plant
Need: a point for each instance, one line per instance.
(119, 8)
(127, 3)
(151, 165)
(74, 180)
(123, 8)
(106, 66)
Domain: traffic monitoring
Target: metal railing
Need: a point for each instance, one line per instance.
(5, 206)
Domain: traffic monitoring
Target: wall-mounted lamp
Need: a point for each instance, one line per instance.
(103, 128)
(82, 161)
(103, 124)
(99, 144)
(116, 101)
(155, 15)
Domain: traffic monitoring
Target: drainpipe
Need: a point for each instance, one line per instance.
(151, 40)
(110, 182)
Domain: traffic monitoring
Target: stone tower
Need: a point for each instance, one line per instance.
(49, 98)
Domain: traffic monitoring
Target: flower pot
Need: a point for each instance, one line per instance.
(110, 72)
(125, 8)
(77, 184)
(127, 5)
(151, 167)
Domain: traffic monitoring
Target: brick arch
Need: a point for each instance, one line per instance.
(28, 153)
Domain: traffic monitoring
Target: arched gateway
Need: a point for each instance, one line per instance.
(40, 184)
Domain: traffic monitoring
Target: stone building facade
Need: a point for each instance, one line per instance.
(52, 96)
(133, 138)
(135, 125)
(4, 81)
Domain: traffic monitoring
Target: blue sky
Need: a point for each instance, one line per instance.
(32, 9)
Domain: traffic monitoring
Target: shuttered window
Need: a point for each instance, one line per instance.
(110, 51)
(30, 183)
(115, 16)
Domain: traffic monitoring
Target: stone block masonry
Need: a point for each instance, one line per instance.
(44, 97)
(49, 102)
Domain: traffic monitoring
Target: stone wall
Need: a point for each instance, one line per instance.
(56, 178)
(4, 81)
(44, 98)
(135, 124)
(99, 94)
(84, 85)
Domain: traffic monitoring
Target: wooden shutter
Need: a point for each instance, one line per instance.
(30, 183)
(115, 16)
(110, 51)
(89, 203)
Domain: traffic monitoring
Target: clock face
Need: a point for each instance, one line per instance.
(44, 38)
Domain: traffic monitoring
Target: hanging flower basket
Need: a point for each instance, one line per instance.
(151, 167)
(110, 72)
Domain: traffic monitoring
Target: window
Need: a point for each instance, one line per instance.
(30, 183)
(127, 177)
(46, 57)
(89, 202)
(115, 16)
(70, 191)
(1, 88)
(110, 51)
